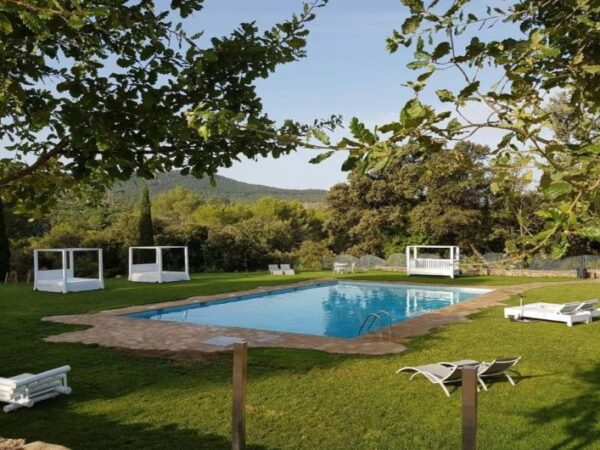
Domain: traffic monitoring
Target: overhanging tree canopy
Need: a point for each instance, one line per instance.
(103, 90)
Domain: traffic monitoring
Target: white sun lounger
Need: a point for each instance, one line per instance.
(26, 389)
(287, 270)
(568, 313)
(440, 373)
(275, 270)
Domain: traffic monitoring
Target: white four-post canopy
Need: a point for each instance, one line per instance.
(416, 265)
(64, 279)
(153, 272)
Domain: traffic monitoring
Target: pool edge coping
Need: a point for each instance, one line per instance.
(114, 327)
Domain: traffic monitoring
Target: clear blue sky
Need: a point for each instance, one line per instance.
(347, 71)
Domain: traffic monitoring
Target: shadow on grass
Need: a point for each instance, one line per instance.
(581, 412)
(93, 431)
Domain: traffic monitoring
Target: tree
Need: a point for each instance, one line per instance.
(434, 197)
(97, 91)
(556, 50)
(4, 246)
(454, 197)
(145, 227)
(176, 205)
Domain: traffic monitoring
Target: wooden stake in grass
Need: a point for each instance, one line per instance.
(469, 408)
(240, 369)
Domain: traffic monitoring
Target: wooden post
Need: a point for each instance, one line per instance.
(238, 423)
(469, 408)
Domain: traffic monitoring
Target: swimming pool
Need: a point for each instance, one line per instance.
(335, 309)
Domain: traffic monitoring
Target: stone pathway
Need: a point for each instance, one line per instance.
(113, 329)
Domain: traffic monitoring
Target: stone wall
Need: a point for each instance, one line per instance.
(533, 273)
(594, 273)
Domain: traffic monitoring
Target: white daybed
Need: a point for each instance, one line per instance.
(153, 272)
(63, 279)
(275, 270)
(26, 389)
(415, 265)
(287, 269)
(568, 313)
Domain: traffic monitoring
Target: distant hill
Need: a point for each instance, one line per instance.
(226, 189)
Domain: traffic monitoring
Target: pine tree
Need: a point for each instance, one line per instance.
(145, 229)
(4, 247)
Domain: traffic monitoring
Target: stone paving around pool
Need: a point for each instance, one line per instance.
(113, 328)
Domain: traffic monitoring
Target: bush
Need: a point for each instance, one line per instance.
(313, 256)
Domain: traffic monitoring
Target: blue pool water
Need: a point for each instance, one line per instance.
(335, 309)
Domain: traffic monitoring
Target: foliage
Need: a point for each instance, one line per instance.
(4, 246)
(98, 91)
(145, 227)
(313, 255)
(219, 235)
(554, 50)
(176, 205)
(435, 197)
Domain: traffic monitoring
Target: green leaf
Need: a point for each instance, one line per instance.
(321, 136)
(322, 157)
(557, 189)
(413, 113)
(350, 163)
(360, 132)
(593, 69)
(442, 49)
(5, 24)
(453, 124)
(76, 21)
(445, 95)
(590, 232)
(559, 249)
(468, 91)
(411, 24)
(414, 65)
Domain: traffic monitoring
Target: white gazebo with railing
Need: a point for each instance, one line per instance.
(64, 279)
(418, 265)
(154, 272)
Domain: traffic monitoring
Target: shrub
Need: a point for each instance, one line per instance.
(313, 255)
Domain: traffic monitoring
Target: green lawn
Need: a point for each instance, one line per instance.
(298, 398)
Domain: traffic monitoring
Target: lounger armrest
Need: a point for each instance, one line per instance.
(41, 376)
(447, 364)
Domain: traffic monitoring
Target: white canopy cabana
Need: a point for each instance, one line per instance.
(63, 279)
(416, 265)
(154, 272)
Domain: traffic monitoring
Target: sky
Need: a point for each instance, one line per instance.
(347, 71)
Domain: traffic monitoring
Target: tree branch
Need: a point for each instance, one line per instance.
(31, 169)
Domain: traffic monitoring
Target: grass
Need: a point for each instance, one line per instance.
(299, 398)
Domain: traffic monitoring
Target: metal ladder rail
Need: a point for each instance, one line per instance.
(389, 316)
(374, 317)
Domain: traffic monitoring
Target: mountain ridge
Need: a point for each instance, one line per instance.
(226, 189)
